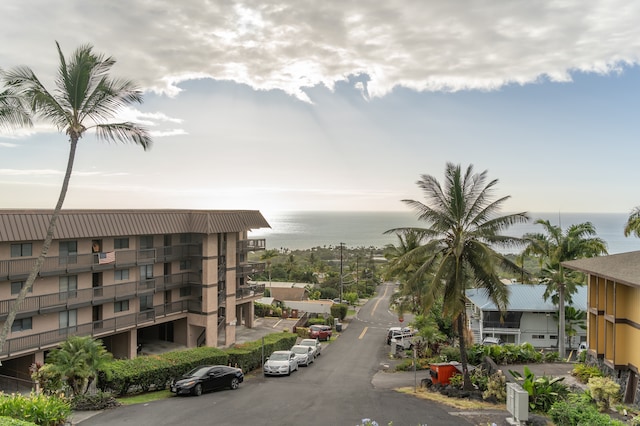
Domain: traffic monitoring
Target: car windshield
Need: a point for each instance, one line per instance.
(279, 357)
(299, 350)
(198, 372)
(308, 342)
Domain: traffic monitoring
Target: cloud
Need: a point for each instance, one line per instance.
(425, 46)
(7, 145)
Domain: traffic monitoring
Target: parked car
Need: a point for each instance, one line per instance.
(582, 347)
(206, 378)
(398, 332)
(304, 354)
(320, 332)
(315, 344)
(280, 363)
(490, 341)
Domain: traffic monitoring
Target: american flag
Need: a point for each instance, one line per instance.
(108, 257)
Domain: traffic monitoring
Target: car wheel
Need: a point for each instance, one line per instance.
(197, 391)
(235, 383)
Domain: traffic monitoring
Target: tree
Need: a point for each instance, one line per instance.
(633, 223)
(78, 360)
(266, 256)
(464, 226)
(86, 98)
(554, 247)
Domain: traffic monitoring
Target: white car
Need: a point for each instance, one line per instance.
(315, 344)
(280, 363)
(304, 354)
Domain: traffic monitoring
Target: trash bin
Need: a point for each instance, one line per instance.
(339, 326)
(443, 371)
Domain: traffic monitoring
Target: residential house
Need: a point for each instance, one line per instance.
(528, 318)
(614, 316)
(127, 276)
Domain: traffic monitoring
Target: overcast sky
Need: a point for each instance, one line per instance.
(339, 105)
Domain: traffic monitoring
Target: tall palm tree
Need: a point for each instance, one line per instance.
(554, 247)
(633, 223)
(463, 228)
(267, 255)
(85, 98)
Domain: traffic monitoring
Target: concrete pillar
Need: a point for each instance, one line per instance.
(133, 343)
(210, 287)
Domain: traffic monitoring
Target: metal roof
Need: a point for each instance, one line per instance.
(526, 298)
(31, 225)
(623, 268)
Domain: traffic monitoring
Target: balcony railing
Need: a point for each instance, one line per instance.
(254, 244)
(252, 291)
(68, 300)
(18, 267)
(250, 268)
(48, 339)
(498, 324)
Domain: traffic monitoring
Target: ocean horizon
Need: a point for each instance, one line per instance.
(301, 230)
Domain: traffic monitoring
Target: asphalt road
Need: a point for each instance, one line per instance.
(338, 389)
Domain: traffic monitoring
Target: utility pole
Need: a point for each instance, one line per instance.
(341, 284)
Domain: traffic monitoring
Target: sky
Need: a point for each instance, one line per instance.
(338, 105)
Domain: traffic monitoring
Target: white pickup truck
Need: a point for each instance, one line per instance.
(403, 341)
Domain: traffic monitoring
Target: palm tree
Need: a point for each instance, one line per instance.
(85, 98)
(464, 226)
(633, 223)
(79, 360)
(266, 256)
(554, 247)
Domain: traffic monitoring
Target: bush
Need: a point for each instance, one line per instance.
(339, 310)
(450, 353)
(584, 372)
(543, 391)
(317, 321)
(407, 364)
(604, 392)
(8, 421)
(45, 410)
(496, 387)
(578, 410)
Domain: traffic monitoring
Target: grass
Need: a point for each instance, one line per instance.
(461, 403)
(145, 397)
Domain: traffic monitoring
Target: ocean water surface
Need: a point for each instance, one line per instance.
(307, 229)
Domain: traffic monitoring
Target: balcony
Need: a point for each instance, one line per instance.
(19, 268)
(250, 292)
(254, 244)
(49, 339)
(55, 302)
(246, 269)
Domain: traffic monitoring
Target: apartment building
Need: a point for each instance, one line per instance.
(126, 276)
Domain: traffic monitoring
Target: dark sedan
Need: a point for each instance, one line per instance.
(206, 378)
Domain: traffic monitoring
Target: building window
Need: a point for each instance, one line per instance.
(146, 272)
(121, 306)
(21, 250)
(146, 303)
(553, 337)
(146, 242)
(16, 286)
(68, 252)
(121, 243)
(537, 336)
(185, 238)
(185, 264)
(68, 319)
(185, 291)
(68, 286)
(21, 324)
(121, 274)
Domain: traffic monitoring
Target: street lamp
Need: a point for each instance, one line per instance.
(341, 284)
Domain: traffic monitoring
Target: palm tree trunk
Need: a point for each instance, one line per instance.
(45, 247)
(561, 321)
(464, 360)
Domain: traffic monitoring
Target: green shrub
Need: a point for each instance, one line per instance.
(496, 387)
(339, 310)
(543, 391)
(98, 401)
(456, 381)
(504, 354)
(578, 410)
(604, 392)
(41, 409)
(8, 421)
(551, 357)
(316, 321)
(584, 372)
(449, 353)
(407, 364)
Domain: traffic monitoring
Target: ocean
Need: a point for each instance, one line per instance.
(299, 230)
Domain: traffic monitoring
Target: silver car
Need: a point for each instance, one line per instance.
(315, 344)
(304, 354)
(280, 363)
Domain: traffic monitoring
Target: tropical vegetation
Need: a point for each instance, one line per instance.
(551, 248)
(85, 99)
(457, 249)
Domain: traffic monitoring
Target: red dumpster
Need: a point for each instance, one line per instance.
(443, 371)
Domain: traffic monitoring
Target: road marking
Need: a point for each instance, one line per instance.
(363, 332)
(276, 324)
(386, 287)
